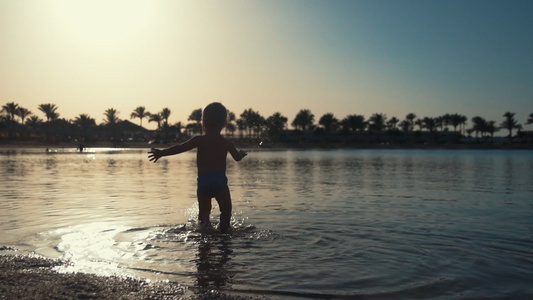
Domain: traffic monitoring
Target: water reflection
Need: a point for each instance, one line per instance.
(303, 176)
(111, 167)
(51, 163)
(212, 264)
(508, 167)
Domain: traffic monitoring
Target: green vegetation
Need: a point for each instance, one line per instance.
(19, 123)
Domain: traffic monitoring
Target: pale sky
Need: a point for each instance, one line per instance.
(428, 57)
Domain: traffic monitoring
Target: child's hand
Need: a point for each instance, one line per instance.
(155, 154)
(243, 153)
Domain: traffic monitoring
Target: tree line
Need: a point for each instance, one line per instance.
(19, 122)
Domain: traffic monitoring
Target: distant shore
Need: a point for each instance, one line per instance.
(257, 145)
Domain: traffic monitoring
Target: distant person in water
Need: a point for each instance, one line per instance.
(212, 150)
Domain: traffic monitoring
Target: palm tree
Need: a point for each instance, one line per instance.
(529, 119)
(392, 123)
(509, 123)
(11, 109)
(177, 127)
(111, 116)
(33, 122)
(304, 119)
(464, 119)
(196, 116)
(85, 123)
(377, 122)
(456, 120)
(141, 113)
(231, 125)
(241, 126)
(469, 133)
(430, 123)
(419, 123)
(411, 119)
(441, 122)
(276, 124)
(230, 129)
(446, 120)
(156, 118)
(244, 120)
(355, 122)
(257, 123)
(329, 122)
(405, 125)
(165, 114)
(479, 126)
(111, 119)
(252, 121)
(50, 111)
(23, 113)
(491, 128)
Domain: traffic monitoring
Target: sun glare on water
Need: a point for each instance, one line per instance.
(92, 248)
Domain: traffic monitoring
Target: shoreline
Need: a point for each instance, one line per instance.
(33, 277)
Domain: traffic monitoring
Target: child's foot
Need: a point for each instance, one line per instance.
(206, 227)
(226, 229)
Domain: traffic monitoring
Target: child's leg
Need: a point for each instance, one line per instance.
(204, 209)
(224, 203)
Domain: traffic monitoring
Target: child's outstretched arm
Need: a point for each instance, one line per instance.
(237, 154)
(156, 154)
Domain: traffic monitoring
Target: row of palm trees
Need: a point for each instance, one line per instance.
(252, 124)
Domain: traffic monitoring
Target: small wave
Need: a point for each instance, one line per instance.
(432, 288)
(137, 229)
(159, 272)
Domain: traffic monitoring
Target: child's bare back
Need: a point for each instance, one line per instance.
(212, 153)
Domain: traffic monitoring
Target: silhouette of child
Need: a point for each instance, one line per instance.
(212, 149)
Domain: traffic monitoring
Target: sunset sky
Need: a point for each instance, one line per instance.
(345, 57)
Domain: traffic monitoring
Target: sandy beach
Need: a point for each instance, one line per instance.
(33, 277)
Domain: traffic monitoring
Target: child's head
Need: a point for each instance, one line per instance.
(215, 116)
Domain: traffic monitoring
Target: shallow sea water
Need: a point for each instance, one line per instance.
(353, 224)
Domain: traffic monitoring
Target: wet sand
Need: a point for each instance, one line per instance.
(33, 277)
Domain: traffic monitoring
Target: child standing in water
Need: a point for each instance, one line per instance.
(212, 149)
